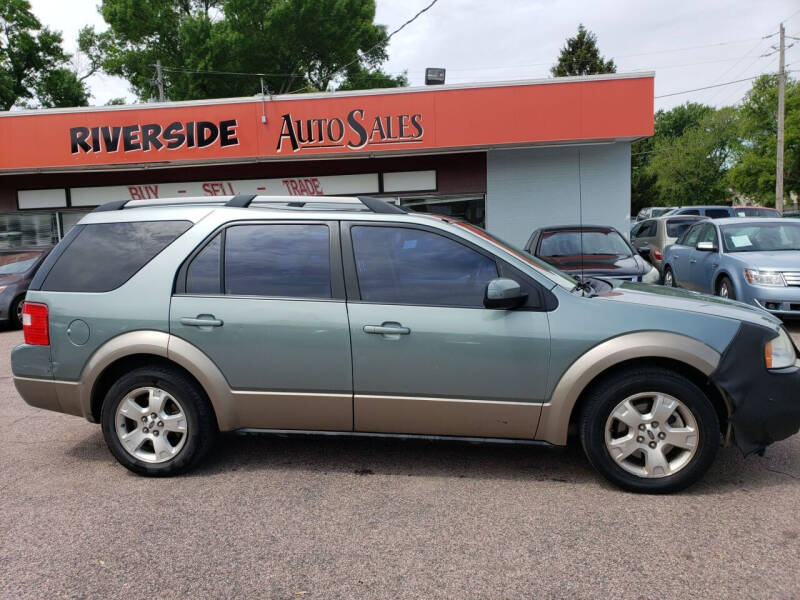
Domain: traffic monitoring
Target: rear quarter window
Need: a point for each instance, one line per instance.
(103, 256)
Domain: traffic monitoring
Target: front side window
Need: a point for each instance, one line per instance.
(692, 211)
(398, 265)
(690, 237)
(103, 256)
(707, 234)
(290, 261)
(717, 213)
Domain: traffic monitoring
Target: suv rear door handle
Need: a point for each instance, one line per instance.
(387, 329)
(201, 321)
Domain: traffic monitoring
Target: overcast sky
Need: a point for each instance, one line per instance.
(689, 44)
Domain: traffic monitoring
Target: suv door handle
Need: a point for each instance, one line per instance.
(692, 260)
(386, 329)
(201, 321)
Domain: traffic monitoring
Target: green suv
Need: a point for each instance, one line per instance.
(168, 321)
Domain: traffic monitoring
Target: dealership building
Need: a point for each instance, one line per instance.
(510, 156)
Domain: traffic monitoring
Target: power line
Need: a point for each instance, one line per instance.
(707, 87)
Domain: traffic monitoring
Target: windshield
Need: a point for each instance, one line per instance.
(15, 264)
(657, 212)
(553, 274)
(751, 211)
(587, 243)
(761, 237)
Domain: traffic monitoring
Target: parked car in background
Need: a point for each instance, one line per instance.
(651, 211)
(297, 315)
(17, 268)
(650, 237)
(591, 250)
(712, 212)
(755, 211)
(754, 260)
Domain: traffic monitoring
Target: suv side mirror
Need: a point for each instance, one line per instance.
(503, 293)
(706, 246)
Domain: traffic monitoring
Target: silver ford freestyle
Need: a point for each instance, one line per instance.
(169, 321)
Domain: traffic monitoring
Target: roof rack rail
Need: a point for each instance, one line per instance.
(241, 200)
(375, 205)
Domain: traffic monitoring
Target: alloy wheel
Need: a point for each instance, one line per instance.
(669, 280)
(724, 292)
(651, 435)
(19, 311)
(151, 424)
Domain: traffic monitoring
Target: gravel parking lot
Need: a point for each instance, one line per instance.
(338, 518)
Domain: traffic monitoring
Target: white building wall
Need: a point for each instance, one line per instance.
(536, 187)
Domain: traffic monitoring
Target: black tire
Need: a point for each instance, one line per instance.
(14, 314)
(609, 392)
(201, 424)
(723, 284)
(664, 278)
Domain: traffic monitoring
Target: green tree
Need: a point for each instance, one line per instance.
(692, 167)
(669, 126)
(297, 44)
(753, 175)
(581, 56)
(34, 69)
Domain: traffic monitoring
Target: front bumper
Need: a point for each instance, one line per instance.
(765, 403)
(783, 301)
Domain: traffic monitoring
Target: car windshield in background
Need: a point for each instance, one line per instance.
(657, 212)
(16, 264)
(675, 227)
(761, 237)
(553, 274)
(750, 211)
(594, 242)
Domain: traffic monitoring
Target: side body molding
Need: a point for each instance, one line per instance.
(162, 344)
(556, 413)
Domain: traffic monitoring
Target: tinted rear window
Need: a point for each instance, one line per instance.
(103, 256)
(675, 227)
(718, 213)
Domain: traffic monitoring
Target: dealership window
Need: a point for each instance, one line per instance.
(470, 208)
(29, 229)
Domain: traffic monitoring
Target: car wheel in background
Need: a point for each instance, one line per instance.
(669, 278)
(725, 288)
(649, 430)
(15, 313)
(156, 421)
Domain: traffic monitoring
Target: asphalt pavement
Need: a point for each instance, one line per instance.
(339, 518)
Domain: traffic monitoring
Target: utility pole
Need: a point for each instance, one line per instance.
(779, 154)
(162, 97)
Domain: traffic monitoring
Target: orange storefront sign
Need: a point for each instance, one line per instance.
(620, 107)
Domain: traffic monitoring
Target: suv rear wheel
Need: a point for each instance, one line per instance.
(156, 421)
(649, 430)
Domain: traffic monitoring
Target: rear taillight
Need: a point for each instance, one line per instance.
(35, 324)
(657, 254)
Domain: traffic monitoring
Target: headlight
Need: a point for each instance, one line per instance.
(652, 276)
(3, 288)
(779, 353)
(764, 277)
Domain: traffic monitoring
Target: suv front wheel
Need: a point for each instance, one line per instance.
(156, 421)
(649, 430)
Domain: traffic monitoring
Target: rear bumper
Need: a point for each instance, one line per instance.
(765, 403)
(49, 394)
